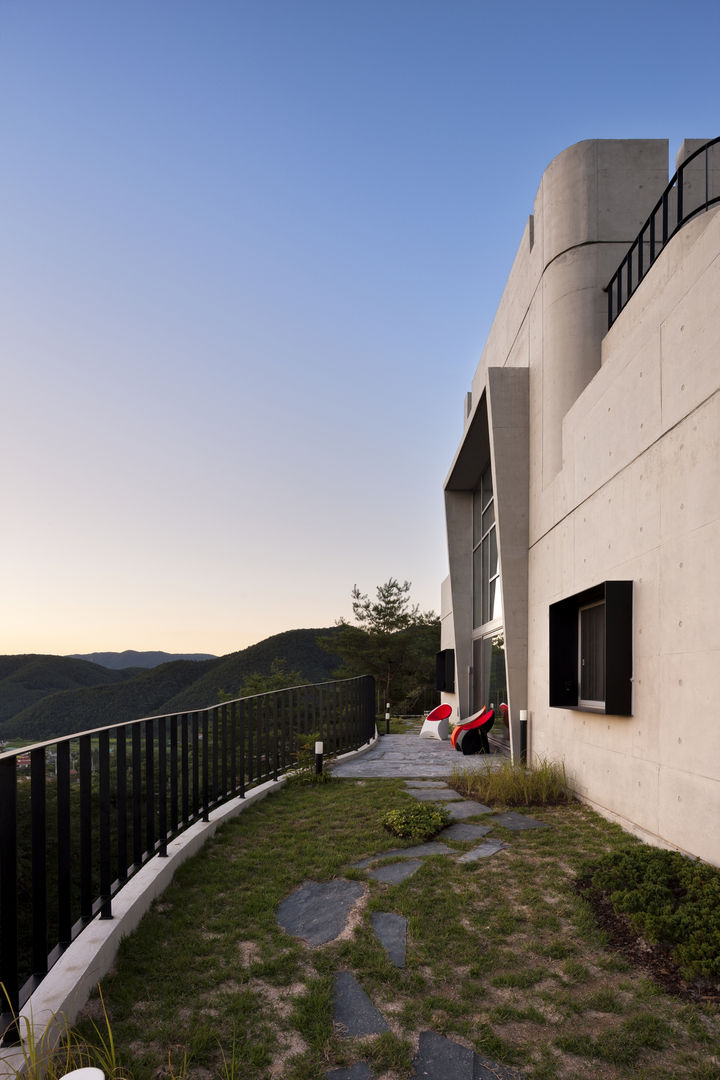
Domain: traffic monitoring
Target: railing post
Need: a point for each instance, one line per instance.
(241, 740)
(8, 898)
(86, 897)
(104, 823)
(136, 751)
(149, 788)
(63, 845)
(173, 823)
(121, 781)
(38, 812)
(162, 786)
(206, 767)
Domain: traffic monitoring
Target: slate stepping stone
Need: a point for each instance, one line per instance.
(353, 1009)
(490, 847)
(394, 873)
(359, 1071)
(519, 822)
(465, 832)
(426, 784)
(391, 932)
(439, 1058)
(436, 795)
(467, 808)
(318, 913)
(420, 851)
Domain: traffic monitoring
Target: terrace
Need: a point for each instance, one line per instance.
(505, 968)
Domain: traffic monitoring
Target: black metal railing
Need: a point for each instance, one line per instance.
(81, 814)
(690, 192)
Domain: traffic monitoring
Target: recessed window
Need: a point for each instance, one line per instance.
(591, 650)
(487, 595)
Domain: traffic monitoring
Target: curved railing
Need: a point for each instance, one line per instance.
(81, 814)
(689, 193)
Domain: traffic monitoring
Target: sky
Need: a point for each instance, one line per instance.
(250, 251)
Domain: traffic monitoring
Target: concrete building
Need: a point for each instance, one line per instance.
(583, 503)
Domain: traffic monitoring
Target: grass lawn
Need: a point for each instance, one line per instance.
(503, 956)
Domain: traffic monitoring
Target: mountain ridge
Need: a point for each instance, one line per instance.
(114, 697)
(131, 658)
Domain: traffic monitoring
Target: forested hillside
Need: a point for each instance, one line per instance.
(116, 696)
(25, 680)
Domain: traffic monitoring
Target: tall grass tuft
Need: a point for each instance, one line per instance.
(56, 1049)
(544, 783)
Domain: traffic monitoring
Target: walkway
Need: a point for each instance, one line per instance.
(319, 912)
(408, 757)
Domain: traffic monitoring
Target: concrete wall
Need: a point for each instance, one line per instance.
(639, 499)
(623, 481)
(447, 641)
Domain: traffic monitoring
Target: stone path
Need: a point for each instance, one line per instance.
(319, 913)
(410, 757)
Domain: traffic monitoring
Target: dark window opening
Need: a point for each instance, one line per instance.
(591, 650)
(445, 671)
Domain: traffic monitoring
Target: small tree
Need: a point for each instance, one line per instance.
(394, 641)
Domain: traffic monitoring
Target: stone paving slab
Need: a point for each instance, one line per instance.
(426, 784)
(436, 795)
(467, 808)
(318, 913)
(391, 932)
(465, 832)
(519, 822)
(359, 1071)
(419, 851)
(353, 1009)
(439, 1058)
(490, 847)
(394, 873)
(409, 757)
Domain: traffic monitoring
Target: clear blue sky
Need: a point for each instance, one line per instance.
(249, 254)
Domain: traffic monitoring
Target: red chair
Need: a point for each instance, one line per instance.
(471, 737)
(436, 723)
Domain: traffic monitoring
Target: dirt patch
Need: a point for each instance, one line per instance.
(655, 960)
(249, 952)
(294, 1046)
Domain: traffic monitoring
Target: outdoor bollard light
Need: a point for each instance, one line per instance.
(318, 757)
(387, 717)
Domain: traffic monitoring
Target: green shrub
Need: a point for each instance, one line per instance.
(420, 822)
(544, 783)
(669, 899)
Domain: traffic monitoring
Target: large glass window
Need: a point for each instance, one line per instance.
(487, 595)
(591, 655)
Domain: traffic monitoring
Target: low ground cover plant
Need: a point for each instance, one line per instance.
(669, 899)
(419, 822)
(544, 783)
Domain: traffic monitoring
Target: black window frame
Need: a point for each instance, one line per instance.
(564, 689)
